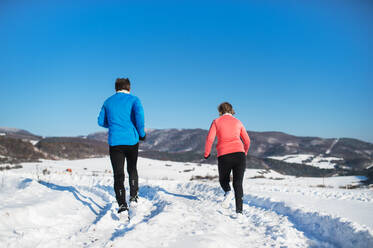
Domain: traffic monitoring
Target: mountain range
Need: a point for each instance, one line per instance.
(287, 154)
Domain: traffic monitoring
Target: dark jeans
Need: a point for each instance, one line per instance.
(235, 162)
(117, 156)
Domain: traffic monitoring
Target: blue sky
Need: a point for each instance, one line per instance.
(291, 66)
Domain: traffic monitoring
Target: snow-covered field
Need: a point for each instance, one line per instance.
(56, 208)
(320, 161)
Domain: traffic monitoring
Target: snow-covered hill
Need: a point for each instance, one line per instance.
(350, 154)
(286, 154)
(18, 133)
(43, 205)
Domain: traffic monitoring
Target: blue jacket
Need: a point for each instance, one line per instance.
(123, 114)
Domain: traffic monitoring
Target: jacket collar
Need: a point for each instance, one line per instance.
(123, 91)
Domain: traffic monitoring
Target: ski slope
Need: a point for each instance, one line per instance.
(78, 209)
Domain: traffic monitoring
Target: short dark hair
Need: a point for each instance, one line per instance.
(226, 107)
(122, 84)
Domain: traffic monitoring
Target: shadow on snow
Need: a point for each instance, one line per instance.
(85, 200)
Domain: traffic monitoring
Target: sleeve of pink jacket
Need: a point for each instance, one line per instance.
(245, 138)
(210, 139)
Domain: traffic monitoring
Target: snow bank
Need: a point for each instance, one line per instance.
(34, 212)
(316, 226)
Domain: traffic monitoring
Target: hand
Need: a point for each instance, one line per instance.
(207, 156)
(143, 138)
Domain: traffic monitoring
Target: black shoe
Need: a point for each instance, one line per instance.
(133, 199)
(122, 208)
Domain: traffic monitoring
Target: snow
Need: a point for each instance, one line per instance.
(2, 134)
(320, 161)
(34, 142)
(331, 147)
(78, 209)
(292, 144)
(296, 158)
(10, 129)
(272, 140)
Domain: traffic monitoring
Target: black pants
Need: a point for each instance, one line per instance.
(117, 156)
(235, 162)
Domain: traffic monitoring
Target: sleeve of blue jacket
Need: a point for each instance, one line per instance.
(102, 118)
(138, 113)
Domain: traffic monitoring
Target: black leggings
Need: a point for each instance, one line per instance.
(117, 156)
(235, 162)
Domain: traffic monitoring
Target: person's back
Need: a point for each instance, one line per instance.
(124, 118)
(123, 114)
(229, 131)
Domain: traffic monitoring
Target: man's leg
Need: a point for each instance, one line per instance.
(117, 162)
(131, 156)
(238, 174)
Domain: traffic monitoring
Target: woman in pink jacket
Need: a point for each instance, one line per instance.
(233, 145)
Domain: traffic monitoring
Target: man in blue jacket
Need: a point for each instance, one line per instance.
(123, 114)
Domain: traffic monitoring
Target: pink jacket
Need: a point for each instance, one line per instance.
(230, 131)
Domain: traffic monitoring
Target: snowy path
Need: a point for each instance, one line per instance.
(79, 210)
(190, 214)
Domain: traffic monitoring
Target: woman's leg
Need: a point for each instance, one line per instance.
(238, 174)
(224, 167)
